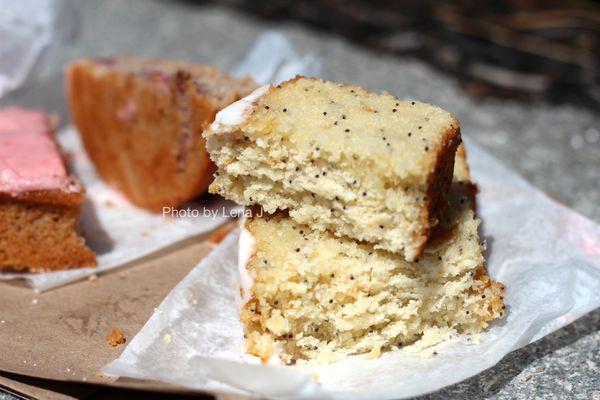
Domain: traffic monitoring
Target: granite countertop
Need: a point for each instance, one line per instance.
(555, 147)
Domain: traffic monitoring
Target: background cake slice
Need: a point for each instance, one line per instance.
(39, 200)
(141, 122)
(311, 296)
(339, 158)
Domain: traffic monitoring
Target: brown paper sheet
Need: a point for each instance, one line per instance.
(61, 334)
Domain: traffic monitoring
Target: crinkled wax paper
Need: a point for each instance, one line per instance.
(119, 232)
(28, 28)
(547, 256)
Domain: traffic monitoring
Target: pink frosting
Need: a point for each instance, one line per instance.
(29, 158)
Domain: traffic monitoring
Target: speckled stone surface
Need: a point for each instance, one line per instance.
(557, 148)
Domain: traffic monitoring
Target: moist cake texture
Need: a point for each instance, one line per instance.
(312, 297)
(141, 122)
(339, 158)
(39, 200)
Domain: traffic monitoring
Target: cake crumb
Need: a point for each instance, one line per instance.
(220, 234)
(167, 338)
(102, 376)
(93, 278)
(34, 302)
(115, 338)
(374, 353)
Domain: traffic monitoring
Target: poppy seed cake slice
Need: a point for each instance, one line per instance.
(309, 296)
(339, 158)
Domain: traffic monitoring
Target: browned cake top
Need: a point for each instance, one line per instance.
(211, 81)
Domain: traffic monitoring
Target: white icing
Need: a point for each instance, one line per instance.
(236, 113)
(245, 251)
(246, 247)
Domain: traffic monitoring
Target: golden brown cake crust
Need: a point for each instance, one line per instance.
(462, 174)
(141, 122)
(51, 197)
(439, 181)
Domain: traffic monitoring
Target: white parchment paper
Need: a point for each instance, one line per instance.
(547, 256)
(119, 232)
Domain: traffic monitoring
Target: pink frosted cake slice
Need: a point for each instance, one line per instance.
(39, 200)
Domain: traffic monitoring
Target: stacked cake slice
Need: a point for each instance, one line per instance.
(339, 158)
(366, 237)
